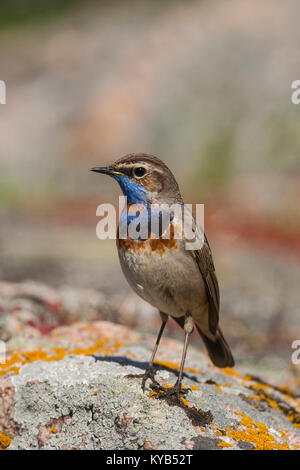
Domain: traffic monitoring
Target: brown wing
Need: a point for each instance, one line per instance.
(204, 260)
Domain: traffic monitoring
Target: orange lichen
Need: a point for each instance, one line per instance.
(247, 377)
(194, 387)
(32, 356)
(292, 414)
(191, 369)
(169, 365)
(4, 441)
(53, 429)
(184, 401)
(16, 360)
(259, 386)
(96, 393)
(264, 396)
(294, 418)
(256, 433)
(15, 357)
(91, 350)
(283, 434)
(218, 387)
(224, 444)
(286, 390)
(253, 397)
(230, 371)
(172, 365)
(14, 369)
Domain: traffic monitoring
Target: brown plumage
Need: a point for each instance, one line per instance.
(181, 283)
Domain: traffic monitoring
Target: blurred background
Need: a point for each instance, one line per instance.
(204, 85)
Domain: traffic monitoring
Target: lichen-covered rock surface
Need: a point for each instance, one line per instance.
(68, 389)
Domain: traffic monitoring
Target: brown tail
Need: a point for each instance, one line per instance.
(218, 350)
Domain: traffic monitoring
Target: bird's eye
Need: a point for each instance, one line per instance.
(139, 171)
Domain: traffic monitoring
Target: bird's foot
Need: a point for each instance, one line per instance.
(176, 391)
(149, 374)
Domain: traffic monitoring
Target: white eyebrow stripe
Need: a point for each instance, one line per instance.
(147, 165)
(159, 170)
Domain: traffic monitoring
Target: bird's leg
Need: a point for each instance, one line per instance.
(188, 329)
(150, 373)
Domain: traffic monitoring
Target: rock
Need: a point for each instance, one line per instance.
(64, 384)
(73, 393)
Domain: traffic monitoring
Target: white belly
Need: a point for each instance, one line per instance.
(171, 281)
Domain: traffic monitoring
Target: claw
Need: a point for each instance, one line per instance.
(149, 374)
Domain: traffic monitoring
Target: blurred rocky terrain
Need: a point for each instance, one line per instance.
(204, 85)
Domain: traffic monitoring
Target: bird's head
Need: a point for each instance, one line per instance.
(144, 179)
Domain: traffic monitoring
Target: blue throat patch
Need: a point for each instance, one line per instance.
(137, 194)
(134, 192)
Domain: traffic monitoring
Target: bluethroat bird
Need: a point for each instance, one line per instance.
(180, 283)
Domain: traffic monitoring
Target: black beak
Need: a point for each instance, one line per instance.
(106, 170)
